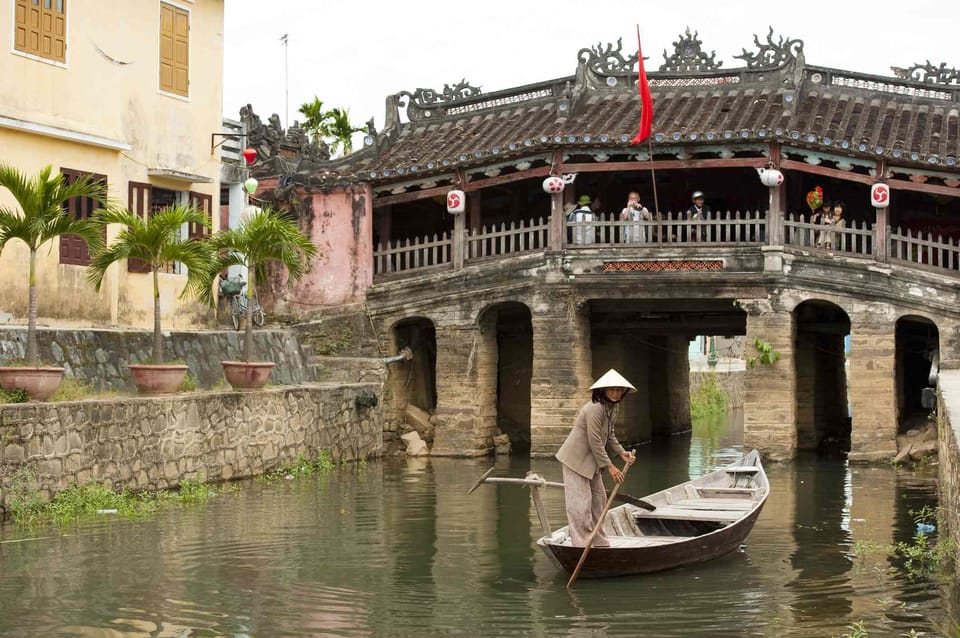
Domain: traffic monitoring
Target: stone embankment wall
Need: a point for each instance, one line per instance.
(155, 443)
(949, 450)
(100, 357)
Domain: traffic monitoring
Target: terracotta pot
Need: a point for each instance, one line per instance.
(242, 375)
(39, 383)
(157, 379)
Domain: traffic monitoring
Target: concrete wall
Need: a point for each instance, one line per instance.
(102, 112)
(99, 357)
(155, 443)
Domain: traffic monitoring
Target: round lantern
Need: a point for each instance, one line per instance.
(770, 177)
(249, 154)
(251, 185)
(456, 202)
(880, 195)
(553, 184)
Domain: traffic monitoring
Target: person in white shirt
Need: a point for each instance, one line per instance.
(635, 233)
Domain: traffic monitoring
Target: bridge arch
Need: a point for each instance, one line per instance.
(413, 380)
(917, 368)
(504, 361)
(822, 408)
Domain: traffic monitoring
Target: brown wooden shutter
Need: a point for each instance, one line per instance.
(40, 28)
(73, 248)
(139, 198)
(174, 49)
(203, 202)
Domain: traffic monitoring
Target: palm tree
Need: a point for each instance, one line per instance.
(157, 241)
(341, 130)
(42, 215)
(316, 120)
(266, 236)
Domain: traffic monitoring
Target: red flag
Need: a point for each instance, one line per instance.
(646, 102)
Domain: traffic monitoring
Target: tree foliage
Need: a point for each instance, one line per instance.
(330, 126)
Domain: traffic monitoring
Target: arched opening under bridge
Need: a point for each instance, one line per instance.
(823, 412)
(413, 381)
(918, 365)
(648, 341)
(505, 366)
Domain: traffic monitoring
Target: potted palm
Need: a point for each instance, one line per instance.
(156, 241)
(265, 236)
(39, 215)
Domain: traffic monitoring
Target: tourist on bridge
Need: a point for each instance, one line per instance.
(582, 234)
(698, 211)
(823, 217)
(585, 454)
(837, 221)
(636, 232)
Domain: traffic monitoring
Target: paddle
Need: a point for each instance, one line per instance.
(586, 549)
(622, 498)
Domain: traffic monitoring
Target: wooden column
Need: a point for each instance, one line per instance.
(557, 219)
(881, 234)
(776, 206)
(458, 240)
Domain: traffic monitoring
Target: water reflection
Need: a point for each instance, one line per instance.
(398, 549)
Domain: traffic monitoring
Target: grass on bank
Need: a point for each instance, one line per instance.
(302, 466)
(93, 499)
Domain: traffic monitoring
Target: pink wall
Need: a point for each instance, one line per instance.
(340, 224)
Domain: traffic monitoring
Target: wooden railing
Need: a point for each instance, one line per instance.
(854, 239)
(731, 228)
(520, 237)
(412, 255)
(858, 239)
(912, 247)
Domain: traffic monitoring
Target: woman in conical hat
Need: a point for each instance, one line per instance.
(586, 453)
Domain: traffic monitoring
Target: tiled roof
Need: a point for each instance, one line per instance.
(906, 121)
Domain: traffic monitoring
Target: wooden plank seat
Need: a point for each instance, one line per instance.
(737, 504)
(742, 469)
(674, 513)
(635, 541)
(709, 492)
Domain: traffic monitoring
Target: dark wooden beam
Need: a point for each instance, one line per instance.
(412, 196)
(933, 189)
(402, 198)
(825, 171)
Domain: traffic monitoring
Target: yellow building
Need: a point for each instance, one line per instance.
(130, 91)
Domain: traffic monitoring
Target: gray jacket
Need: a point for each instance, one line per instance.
(585, 450)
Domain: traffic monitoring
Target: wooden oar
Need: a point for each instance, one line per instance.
(486, 478)
(593, 534)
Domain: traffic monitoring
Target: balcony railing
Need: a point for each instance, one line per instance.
(750, 228)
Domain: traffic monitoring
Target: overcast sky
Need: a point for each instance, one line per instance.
(353, 54)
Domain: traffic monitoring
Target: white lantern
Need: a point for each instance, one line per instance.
(251, 185)
(770, 177)
(880, 195)
(456, 202)
(553, 184)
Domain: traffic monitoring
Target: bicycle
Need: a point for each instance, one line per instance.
(235, 288)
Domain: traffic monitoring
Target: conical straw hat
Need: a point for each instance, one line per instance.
(612, 379)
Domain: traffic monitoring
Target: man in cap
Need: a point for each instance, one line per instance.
(698, 211)
(586, 452)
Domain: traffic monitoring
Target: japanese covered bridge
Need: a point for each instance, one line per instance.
(509, 320)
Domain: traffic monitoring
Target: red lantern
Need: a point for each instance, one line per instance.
(249, 154)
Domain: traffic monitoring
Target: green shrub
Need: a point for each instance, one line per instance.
(709, 400)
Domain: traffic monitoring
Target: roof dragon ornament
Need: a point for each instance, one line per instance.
(771, 55)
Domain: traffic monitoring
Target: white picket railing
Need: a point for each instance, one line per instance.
(721, 228)
(857, 238)
(412, 254)
(517, 238)
(912, 247)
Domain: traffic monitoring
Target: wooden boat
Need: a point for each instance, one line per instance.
(692, 522)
